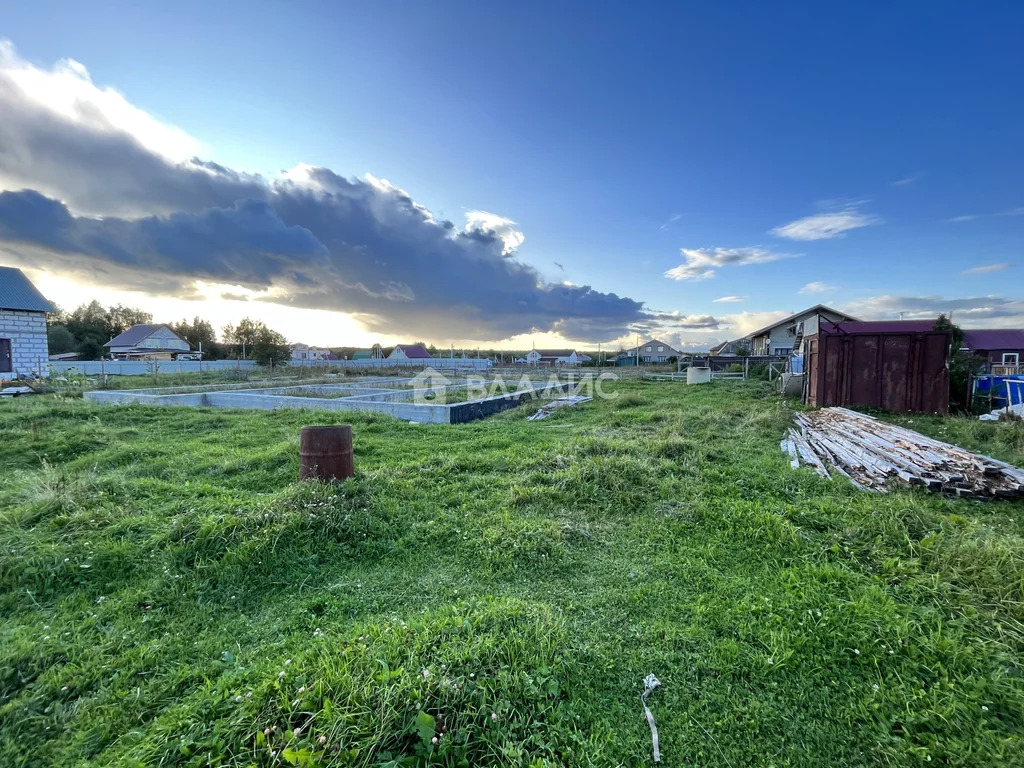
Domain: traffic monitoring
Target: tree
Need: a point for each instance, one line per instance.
(961, 365)
(260, 343)
(200, 334)
(92, 325)
(59, 340)
(120, 318)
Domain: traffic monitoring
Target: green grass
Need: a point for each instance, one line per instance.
(172, 596)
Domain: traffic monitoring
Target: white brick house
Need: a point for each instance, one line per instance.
(23, 347)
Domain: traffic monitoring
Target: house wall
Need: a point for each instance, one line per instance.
(657, 353)
(27, 332)
(995, 356)
(165, 338)
(782, 338)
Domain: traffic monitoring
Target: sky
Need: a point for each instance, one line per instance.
(516, 174)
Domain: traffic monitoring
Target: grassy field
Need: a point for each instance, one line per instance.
(494, 593)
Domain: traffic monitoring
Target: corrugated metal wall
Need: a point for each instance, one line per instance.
(896, 371)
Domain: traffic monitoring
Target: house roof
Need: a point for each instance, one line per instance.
(794, 316)
(879, 326)
(414, 351)
(554, 352)
(653, 342)
(994, 338)
(720, 347)
(136, 334)
(18, 293)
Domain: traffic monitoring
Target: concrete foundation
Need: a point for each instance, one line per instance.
(401, 398)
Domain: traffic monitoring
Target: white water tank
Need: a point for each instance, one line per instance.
(695, 375)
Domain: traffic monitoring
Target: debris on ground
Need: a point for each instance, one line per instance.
(16, 391)
(869, 452)
(1009, 413)
(650, 683)
(545, 410)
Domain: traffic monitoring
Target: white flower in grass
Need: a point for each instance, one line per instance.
(494, 715)
(280, 674)
(266, 731)
(322, 740)
(425, 673)
(856, 651)
(771, 660)
(287, 662)
(472, 674)
(238, 698)
(302, 689)
(874, 687)
(297, 730)
(984, 708)
(434, 740)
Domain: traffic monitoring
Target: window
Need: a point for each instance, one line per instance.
(647, 350)
(661, 358)
(1010, 358)
(783, 350)
(661, 349)
(5, 356)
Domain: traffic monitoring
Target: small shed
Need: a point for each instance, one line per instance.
(899, 365)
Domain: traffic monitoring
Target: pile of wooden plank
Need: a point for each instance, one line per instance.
(870, 453)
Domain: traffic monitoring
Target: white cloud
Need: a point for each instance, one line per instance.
(969, 312)
(504, 228)
(817, 287)
(67, 90)
(965, 217)
(823, 226)
(905, 181)
(701, 263)
(743, 323)
(1018, 211)
(670, 221)
(985, 268)
(729, 299)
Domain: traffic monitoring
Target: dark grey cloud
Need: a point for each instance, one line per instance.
(348, 246)
(83, 189)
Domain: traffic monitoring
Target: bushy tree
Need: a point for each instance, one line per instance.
(961, 365)
(199, 333)
(259, 342)
(59, 340)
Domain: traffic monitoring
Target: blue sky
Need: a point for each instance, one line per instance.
(622, 140)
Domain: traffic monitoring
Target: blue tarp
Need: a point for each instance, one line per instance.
(997, 384)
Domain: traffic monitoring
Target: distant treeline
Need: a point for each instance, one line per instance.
(86, 329)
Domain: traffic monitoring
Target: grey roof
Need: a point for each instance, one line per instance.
(17, 292)
(136, 334)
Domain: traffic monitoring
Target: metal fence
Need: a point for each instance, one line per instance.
(145, 367)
